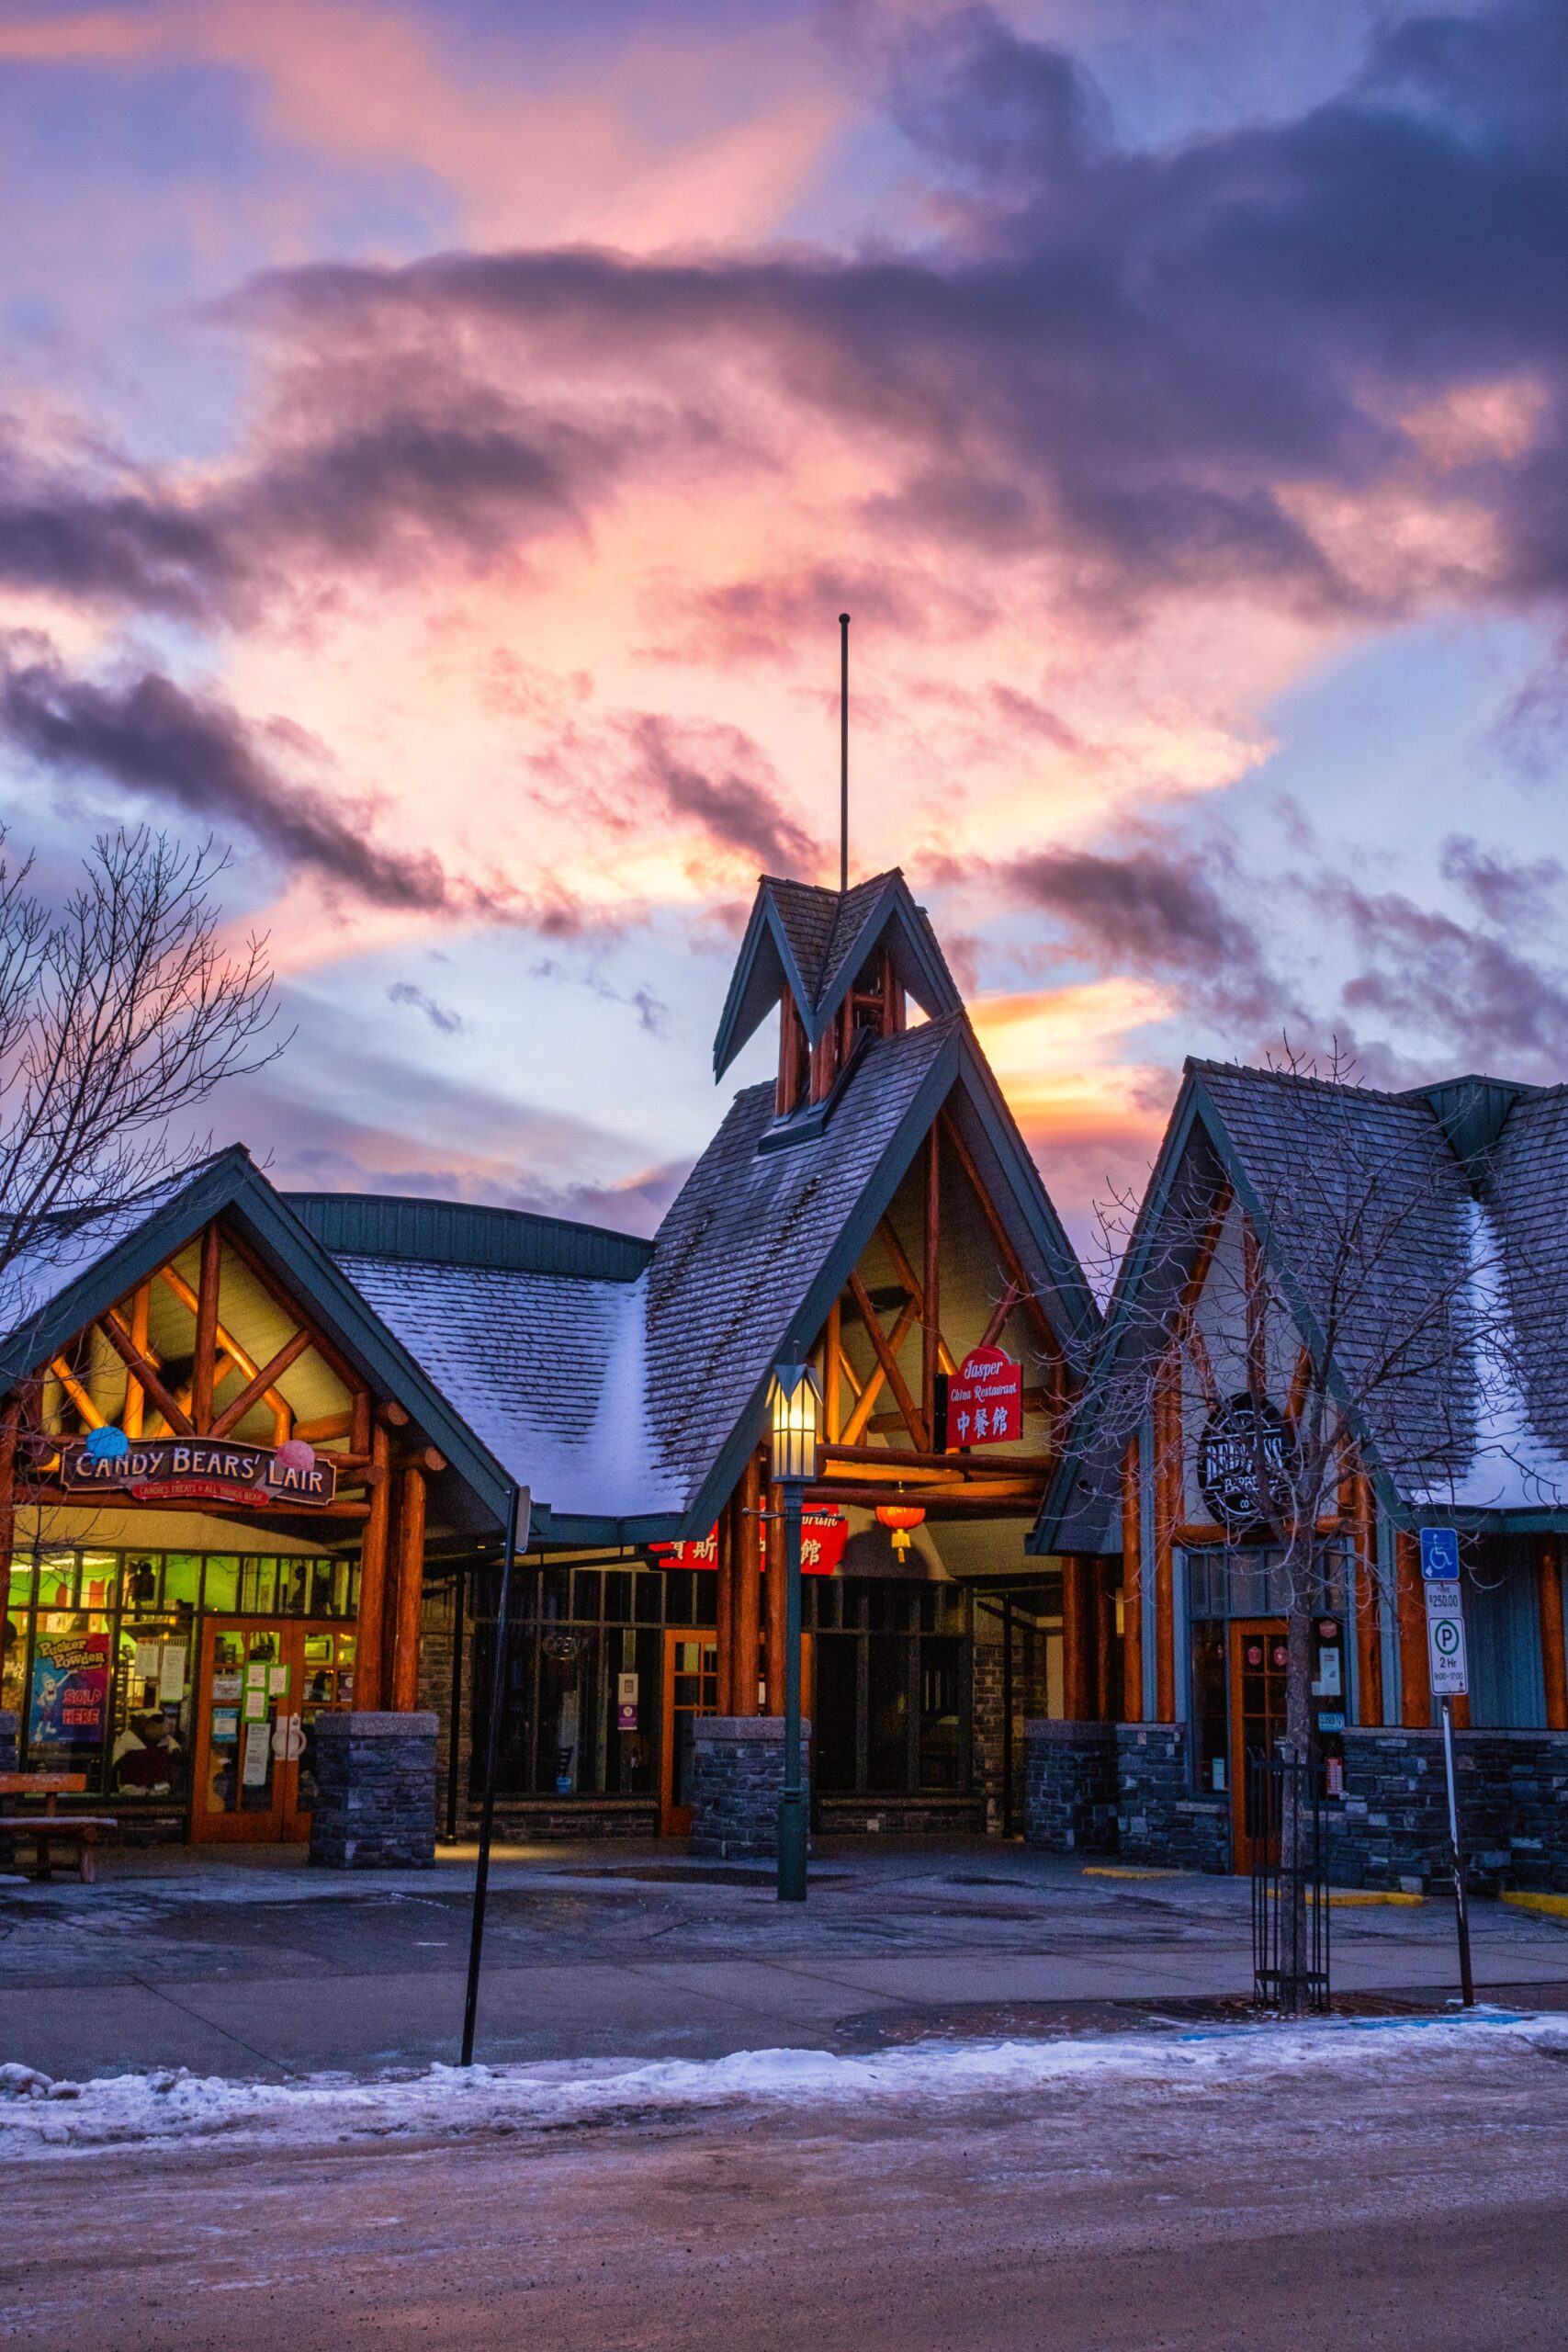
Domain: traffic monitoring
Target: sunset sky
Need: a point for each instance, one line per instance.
(437, 441)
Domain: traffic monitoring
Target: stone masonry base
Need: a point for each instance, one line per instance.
(375, 1792)
(737, 1782)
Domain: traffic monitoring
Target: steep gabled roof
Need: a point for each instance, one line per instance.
(759, 1244)
(629, 1406)
(815, 943)
(1466, 1220)
(58, 1295)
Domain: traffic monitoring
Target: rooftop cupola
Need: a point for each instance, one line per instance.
(839, 965)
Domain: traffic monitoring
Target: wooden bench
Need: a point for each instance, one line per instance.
(52, 1828)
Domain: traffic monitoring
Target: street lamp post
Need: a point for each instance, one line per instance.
(794, 1403)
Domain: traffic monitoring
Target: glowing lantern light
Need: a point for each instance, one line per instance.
(900, 1517)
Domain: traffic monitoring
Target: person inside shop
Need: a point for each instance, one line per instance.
(147, 1756)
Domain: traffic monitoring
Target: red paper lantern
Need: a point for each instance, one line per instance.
(900, 1517)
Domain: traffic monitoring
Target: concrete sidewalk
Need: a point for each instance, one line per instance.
(254, 1964)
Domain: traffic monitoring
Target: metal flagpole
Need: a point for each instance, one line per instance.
(487, 1814)
(1456, 1856)
(843, 750)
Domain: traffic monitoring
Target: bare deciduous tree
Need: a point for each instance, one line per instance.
(119, 1013)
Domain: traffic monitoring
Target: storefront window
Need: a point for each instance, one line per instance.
(891, 1662)
(101, 1650)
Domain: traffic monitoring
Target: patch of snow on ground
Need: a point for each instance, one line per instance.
(40, 2118)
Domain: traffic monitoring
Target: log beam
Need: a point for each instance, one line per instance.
(776, 1595)
(748, 1588)
(203, 1367)
(887, 1358)
(1078, 1638)
(119, 1339)
(254, 1390)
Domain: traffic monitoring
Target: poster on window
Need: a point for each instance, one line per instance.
(985, 1399)
(69, 1699)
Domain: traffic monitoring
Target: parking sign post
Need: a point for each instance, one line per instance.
(1451, 1679)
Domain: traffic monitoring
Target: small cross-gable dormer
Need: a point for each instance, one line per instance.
(841, 966)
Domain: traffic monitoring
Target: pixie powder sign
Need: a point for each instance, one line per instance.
(985, 1399)
(203, 1470)
(71, 1689)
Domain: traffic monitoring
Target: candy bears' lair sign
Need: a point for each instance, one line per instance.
(201, 1469)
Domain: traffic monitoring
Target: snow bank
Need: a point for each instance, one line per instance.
(40, 2118)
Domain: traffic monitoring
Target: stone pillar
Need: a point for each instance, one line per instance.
(737, 1782)
(1069, 1787)
(1159, 1818)
(375, 1804)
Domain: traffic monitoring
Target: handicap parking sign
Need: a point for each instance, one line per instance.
(1440, 1553)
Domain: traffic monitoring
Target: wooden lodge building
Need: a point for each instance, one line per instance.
(1403, 1260)
(258, 1450)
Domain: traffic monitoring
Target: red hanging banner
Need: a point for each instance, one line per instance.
(700, 1552)
(985, 1399)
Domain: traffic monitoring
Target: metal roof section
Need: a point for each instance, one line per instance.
(458, 1233)
(815, 942)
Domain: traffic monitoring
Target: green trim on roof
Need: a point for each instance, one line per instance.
(461, 1233)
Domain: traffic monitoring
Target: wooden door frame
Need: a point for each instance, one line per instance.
(1243, 1856)
(673, 1634)
(280, 1823)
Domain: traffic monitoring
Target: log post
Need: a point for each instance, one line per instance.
(1554, 1662)
(1132, 1587)
(1369, 1616)
(1410, 1609)
(724, 1610)
(367, 1682)
(406, 1621)
(748, 1588)
(930, 1303)
(1168, 1484)
(1078, 1635)
(777, 1596)
(1104, 1599)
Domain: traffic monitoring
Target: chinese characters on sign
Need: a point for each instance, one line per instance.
(985, 1399)
(824, 1531)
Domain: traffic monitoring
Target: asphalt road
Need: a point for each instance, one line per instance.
(1422, 2203)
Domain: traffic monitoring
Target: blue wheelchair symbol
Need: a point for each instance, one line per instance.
(1440, 1553)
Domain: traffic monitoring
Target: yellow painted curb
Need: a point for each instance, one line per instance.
(1101, 1870)
(1554, 1905)
(1356, 1898)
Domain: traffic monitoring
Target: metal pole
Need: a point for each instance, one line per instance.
(843, 750)
(459, 1590)
(1461, 1897)
(792, 1805)
(487, 1814)
(1006, 1714)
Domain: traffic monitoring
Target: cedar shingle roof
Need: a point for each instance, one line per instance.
(1427, 1228)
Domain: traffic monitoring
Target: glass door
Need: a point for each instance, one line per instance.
(262, 1686)
(691, 1689)
(1258, 1662)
